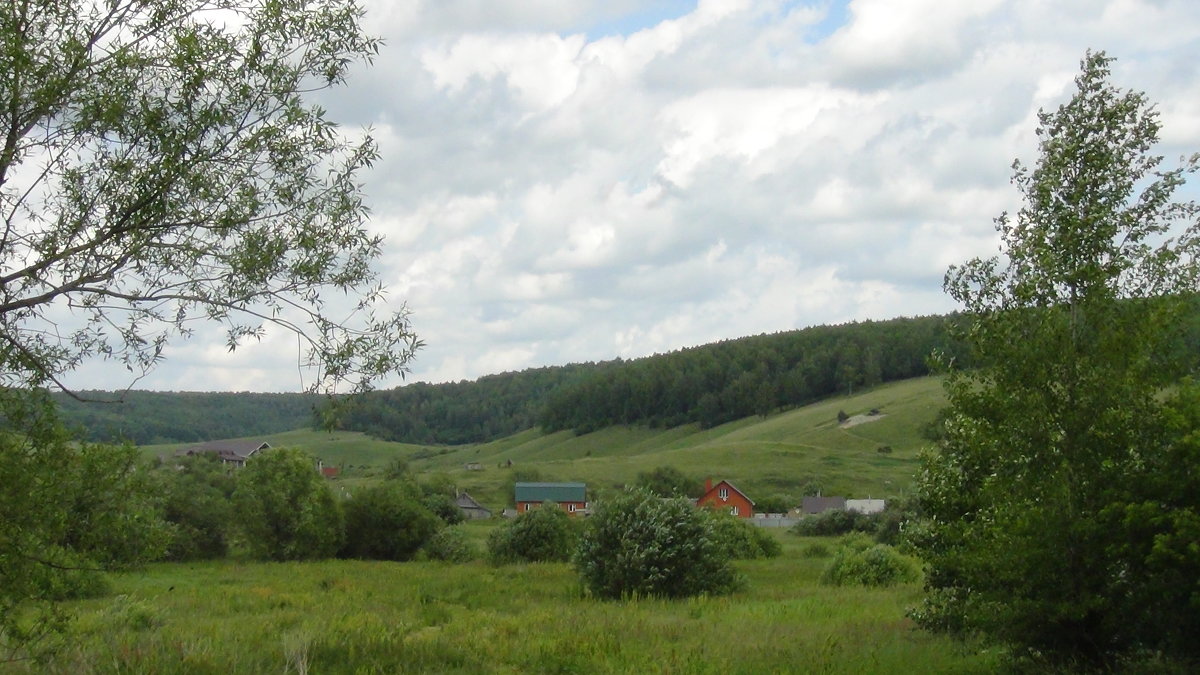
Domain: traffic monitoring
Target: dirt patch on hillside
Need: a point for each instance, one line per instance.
(856, 420)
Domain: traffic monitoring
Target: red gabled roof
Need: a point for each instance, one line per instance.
(731, 486)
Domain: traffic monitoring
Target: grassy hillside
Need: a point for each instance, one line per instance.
(779, 454)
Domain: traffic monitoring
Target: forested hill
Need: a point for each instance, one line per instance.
(710, 384)
(146, 417)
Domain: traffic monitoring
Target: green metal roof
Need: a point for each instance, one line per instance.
(552, 492)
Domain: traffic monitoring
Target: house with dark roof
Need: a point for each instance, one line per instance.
(814, 505)
(234, 452)
(471, 509)
(724, 495)
(570, 497)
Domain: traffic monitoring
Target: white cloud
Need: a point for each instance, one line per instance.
(559, 184)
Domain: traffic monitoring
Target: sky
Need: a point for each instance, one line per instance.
(569, 181)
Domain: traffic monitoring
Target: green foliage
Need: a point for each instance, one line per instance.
(390, 521)
(387, 522)
(774, 504)
(546, 534)
(861, 561)
(1064, 485)
(152, 417)
(71, 510)
(739, 539)
(667, 481)
(285, 510)
(834, 522)
(196, 493)
(638, 544)
(451, 544)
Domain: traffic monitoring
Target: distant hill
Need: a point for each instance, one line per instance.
(707, 385)
(146, 417)
(784, 455)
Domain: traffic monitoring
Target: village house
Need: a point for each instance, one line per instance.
(725, 495)
(813, 505)
(471, 509)
(234, 452)
(570, 497)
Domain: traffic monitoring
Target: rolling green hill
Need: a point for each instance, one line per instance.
(781, 454)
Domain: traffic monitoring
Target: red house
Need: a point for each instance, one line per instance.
(724, 495)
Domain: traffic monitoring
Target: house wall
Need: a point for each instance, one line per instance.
(712, 499)
(526, 507)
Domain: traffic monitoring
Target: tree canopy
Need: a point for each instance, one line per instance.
(1066, 466)
(162, 163)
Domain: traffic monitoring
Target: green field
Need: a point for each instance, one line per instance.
(779, 454)
(374, 617)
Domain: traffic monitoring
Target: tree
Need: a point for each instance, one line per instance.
(162, 163)
(285, 509)
(196, 494)
(637, 544)
(668, 481)
(387, 522)
(1060, 438)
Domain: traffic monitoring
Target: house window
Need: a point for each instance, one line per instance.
(571, 508)
(724, 494)
(734, 510)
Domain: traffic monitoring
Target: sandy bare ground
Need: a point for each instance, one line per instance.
(856, 420)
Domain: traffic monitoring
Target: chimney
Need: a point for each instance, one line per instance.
(708, 484)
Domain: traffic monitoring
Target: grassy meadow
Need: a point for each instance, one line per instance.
(373, 617)
(778, 454)
(235, 616)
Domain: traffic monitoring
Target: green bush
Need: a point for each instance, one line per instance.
(862, 562)
(546, 534)
(196, 501)
(741, 540)
(834, 522)
(637, 544)
(387, 522)
(451, 544)
(285, 511)
(815, 550)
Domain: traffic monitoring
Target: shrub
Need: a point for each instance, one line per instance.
(860, 561)
(543, 535)
(815, 550)
(285, 510)
(451, 544)
(834, 522)
(638, 544)
(740, 540)
(387, 522)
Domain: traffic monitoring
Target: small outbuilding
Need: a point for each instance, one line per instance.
(471, 509)
(867, 506)
(813, 505)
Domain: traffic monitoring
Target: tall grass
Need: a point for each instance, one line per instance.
(364, 617)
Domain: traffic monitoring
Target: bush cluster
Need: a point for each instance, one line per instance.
(740, 540)
(638, 544)
(859, 560)
(451, 544)
(546, 534)
(835, 522)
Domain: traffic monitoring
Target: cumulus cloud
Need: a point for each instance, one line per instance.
(579, 181)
